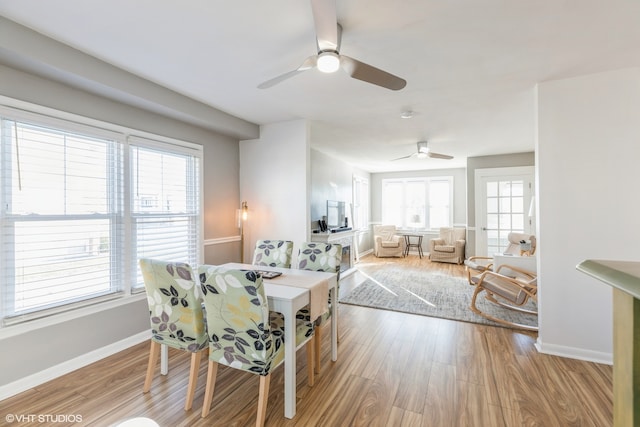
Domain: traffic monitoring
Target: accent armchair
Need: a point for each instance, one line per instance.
(386, 242)
(449, 247)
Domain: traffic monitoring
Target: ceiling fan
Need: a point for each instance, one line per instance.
(424, 152)
(329, 59)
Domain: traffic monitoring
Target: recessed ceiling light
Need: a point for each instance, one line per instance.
(407, 114)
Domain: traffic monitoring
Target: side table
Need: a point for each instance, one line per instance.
(409, 244)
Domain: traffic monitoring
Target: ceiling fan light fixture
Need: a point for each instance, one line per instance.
(328, 62)
(421, 155)
(407, 114)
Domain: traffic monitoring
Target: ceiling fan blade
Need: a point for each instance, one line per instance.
(439, 156)
(405, 157)
(325, 19)
(308, 64)
(370, 74)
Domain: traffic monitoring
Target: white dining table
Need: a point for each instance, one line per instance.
(288, 299)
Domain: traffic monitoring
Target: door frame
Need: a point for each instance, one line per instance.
(480, 197)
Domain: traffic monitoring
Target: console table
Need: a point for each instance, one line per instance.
(624, 278)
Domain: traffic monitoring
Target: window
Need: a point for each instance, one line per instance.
(80, 205)
(360, 203)
(165, 213)
(418, 203)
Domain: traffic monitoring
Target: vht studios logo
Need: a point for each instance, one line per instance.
(43, 418)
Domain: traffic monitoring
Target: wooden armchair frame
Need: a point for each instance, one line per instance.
(509, 287)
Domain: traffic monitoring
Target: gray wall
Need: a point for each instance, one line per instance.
(55, 343)
(485, 162)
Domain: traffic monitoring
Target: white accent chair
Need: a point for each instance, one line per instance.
(449, 247)
(386, 242)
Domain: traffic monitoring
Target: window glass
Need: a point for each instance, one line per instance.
(417, 203)
(62, 233)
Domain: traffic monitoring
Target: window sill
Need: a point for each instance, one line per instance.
(18, 327)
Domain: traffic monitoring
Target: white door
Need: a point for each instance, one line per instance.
(503, 205)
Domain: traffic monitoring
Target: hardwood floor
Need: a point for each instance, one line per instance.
(393, 369)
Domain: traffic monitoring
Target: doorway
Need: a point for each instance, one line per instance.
(503, 205)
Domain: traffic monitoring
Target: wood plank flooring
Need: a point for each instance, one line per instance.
(393, 369)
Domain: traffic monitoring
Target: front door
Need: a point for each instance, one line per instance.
(503, 205)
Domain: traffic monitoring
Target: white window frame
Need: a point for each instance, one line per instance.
(361, 203)
(20, 111)
(403, 182)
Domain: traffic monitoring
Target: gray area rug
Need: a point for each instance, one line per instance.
(416, 292)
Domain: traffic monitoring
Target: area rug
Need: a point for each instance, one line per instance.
(417, 292)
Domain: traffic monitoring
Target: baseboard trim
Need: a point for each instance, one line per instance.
(63, 368)
(574, 353)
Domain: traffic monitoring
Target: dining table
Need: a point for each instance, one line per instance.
(286, 294)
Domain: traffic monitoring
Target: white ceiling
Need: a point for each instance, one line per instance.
(471, 65)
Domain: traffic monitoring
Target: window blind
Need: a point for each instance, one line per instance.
(81, 204)
(165, 195)
(61, 217)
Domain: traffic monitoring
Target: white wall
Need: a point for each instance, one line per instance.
(588, 151)
(275, 183)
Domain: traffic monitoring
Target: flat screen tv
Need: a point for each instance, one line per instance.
(335, 214)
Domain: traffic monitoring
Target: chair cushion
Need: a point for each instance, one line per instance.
(504, 288)
(389, 244)
(445, 248)
(447, 235)
(477, 265)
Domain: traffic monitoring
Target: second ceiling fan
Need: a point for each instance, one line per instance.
(329, 59)
(424, 152)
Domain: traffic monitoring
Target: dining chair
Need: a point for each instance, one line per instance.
(176, 316)
(273, 253)
(243, 333)
(319, 257)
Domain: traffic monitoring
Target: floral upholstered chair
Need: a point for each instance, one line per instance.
(319, 257)
(273, 253)
(176, 316)
(243, 333)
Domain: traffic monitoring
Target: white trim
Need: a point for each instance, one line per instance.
(221, 240)
(28, 109)
(574, 353)
(63, 368)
